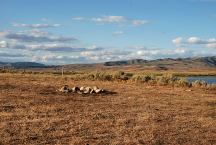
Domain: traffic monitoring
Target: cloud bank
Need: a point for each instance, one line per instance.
(35, 26)
(38, 36)
(114, 19)
(209, 43)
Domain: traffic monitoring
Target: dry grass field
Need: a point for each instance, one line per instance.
(32, 112)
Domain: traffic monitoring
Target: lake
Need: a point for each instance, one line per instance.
(207, 79)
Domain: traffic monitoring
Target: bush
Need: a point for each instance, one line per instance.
(118, 75)
(143, 78)
(102, 76)
(199, 84)
(90, 77)
(166, 79)
(182, 82)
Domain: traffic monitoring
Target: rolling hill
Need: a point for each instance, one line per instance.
(179, 64)
(22, 65)
(208, 61)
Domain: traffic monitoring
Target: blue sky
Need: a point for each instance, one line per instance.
(81, 31)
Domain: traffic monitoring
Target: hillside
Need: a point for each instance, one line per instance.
(19, 65)
(209, 61)
(179, 64)
(168, 63)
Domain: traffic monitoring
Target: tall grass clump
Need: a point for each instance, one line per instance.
(143, 78)
(166, 79)
(182, 82)
(103, 76)
(120, 75)
(199, 84)
(172, 80)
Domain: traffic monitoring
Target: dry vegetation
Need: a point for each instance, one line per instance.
(32, 112)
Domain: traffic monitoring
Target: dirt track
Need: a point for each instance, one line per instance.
(32, 112)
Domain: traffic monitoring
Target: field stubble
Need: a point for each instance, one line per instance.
(32, 112)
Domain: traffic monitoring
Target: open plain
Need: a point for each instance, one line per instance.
(32, 112)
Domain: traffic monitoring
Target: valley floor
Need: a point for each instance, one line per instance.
(32, 112)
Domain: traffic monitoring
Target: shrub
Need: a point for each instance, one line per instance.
(166, 79)
(182, 82)
(143, 78)
(136, 78)
(90, 77)
(118, 75)
(199, 84)
(147, 78)
(102, 76)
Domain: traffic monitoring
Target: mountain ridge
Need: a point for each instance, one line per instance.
(210, 61)
(158, 64)
(22, 65)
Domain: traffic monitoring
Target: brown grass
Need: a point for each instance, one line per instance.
(32, 112)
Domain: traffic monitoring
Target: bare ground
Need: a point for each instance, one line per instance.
(32, 112)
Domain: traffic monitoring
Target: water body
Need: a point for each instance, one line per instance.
(207, 79)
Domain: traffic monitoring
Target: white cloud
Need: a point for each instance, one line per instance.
(3, 44)
(180, 51)
(57, 59)
(50, 47)
(56, 47)
(177, 41)
(157, 53)
(105, 55)
(209, 43)
(15, 45)
(212, 40)
(148, 52)
(113, 19)
(143, 53)
(34, 37)
(139, 22)
(110, 19)
(118, 33)
(195, 40)
(35, 25)
(78, 18)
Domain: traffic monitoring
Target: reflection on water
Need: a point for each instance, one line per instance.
(207, 79)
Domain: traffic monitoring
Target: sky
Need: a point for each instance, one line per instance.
(93, 31)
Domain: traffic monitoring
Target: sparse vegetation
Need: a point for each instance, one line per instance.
(32, 111)
(153, 79)
(199, 83)
(164, 79)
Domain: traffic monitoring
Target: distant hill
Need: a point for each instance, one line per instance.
(202, 61)
(179, 64)
(22, 65)
(126, 62)
(211, 61)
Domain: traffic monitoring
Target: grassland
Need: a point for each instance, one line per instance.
(32, 112)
